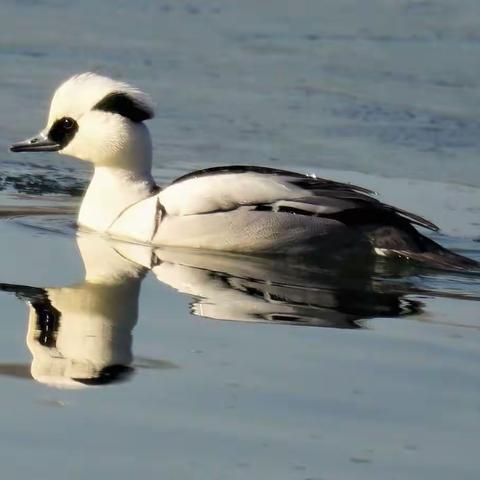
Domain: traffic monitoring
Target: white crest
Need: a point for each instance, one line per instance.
(80, 93)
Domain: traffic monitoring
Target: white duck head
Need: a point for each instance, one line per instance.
(97, 119)
(100, 120)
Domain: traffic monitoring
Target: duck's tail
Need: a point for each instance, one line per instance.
(421, 249)
(440, 258)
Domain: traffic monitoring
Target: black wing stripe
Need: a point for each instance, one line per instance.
(416, 219)
(355, 214)
(236, 169)
(313, 183)
(297, 179)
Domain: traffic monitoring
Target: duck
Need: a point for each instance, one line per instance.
(237, 208)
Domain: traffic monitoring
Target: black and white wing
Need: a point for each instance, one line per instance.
(222, 189)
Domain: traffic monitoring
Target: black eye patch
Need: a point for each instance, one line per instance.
(63, 130)
(124, 105)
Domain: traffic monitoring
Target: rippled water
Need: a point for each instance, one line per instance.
(117, 360)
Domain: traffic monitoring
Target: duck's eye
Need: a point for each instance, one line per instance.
(68, 123)
(63, 130)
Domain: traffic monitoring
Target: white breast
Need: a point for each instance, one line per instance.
(137, 222)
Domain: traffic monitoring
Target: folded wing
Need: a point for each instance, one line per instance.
(222, 189)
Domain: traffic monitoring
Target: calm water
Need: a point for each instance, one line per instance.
(118, 361)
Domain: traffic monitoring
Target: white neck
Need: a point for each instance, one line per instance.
(110, 192)
(122, 174)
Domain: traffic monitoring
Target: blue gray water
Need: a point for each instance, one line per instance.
(236, 368)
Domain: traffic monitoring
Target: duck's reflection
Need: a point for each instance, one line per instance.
(82, 334)
(278, 291)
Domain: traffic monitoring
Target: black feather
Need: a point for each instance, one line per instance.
(63, 130)
(298, 179)
(125, 105)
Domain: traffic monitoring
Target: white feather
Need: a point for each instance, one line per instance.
(80, 93)
(225, 192)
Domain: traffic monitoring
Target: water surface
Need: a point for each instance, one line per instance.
(181, 365)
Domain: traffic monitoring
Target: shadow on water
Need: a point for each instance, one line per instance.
(81, 335)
